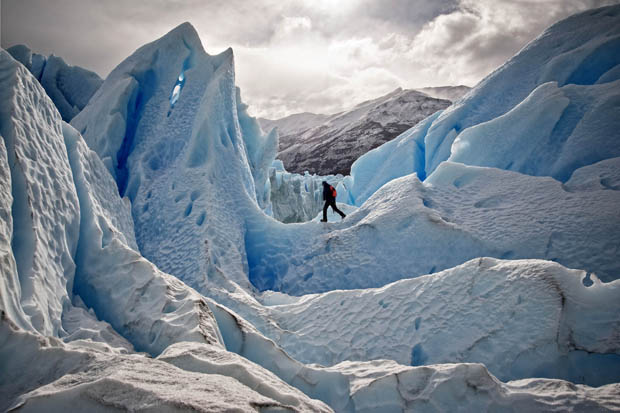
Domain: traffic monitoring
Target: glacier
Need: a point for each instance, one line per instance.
(141, 268)
(69, 87)
(295, 197)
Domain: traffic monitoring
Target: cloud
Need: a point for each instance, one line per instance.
(292, 56)
(468, 43)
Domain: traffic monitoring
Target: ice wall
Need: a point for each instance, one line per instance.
(190, 168)
(69, 87)
(39, 202)
(295, 197)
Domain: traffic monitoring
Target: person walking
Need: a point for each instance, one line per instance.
(329, 196)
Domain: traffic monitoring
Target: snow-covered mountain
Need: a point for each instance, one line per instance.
(451, 93)
(293, 124)
(69, 87)
(330, 144)
(134, 243)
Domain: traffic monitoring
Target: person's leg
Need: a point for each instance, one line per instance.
(325, 210)
(335, 209)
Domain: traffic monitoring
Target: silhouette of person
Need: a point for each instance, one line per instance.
(329, 195)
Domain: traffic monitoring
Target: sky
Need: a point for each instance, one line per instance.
(292, 56)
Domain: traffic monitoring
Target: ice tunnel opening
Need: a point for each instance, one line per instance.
(135, 108)
(176, 90)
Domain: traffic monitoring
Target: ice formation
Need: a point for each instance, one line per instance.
(520, 318)
(132, 256)
(190, 163)
(295, 197)
(69, 87)
(459, 213)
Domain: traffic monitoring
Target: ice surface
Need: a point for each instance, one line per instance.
(601, 175)
(383, 386)
(213, 360)
(399, 157)
(81, 380)
(295, 197)
(69, 87)
(44, 212)
(520, 319)
(190, 171)
(151, 309)
(551, 133)
(459, 213)
(67, 379)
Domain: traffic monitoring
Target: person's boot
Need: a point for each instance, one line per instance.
(323, 220)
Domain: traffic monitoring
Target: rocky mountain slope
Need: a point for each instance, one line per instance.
(330, 144)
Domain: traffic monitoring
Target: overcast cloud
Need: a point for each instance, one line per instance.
(293, 56)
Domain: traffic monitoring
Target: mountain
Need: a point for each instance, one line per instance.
(451, 93)
(330, 144)
(292, 124)
(141, 269)
(69, 87)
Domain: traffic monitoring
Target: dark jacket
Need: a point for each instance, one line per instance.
(327, 192)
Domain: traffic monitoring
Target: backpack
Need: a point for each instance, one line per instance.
(334, 193)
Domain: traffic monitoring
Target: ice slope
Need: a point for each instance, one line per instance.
(149, 308)
(190, 168)
(67, 379)
(39, 202)
(523, 318)
(124, 293)
(69, 237)
(553, 132)
(409, 228)
(69, 87)
(200, 378)
(548, 111)
(399, 157)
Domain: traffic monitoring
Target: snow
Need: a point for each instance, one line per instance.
(69, 87)
(468, 314)
(77, 380)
